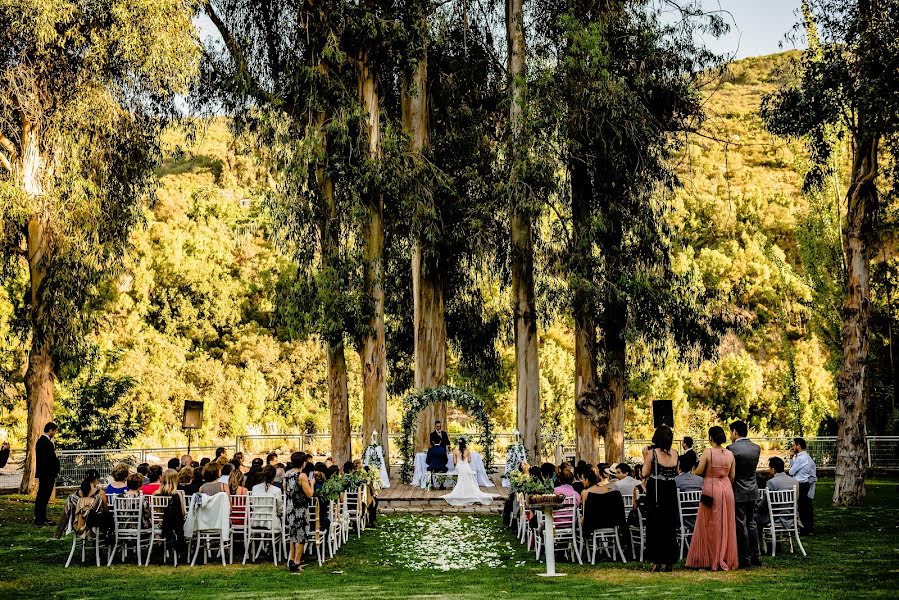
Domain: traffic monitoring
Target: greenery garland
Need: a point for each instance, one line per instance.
(466, 401)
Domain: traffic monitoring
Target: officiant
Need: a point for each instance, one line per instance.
(439, 436)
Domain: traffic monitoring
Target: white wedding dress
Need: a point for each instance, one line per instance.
(467, 491)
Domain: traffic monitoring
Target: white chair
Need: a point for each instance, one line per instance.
(357, 507)
(345, 516)
(566, 525)
(285, 543)
(687, 507)
(628, 505)
(128, 516)
(783, 513)
(262, 526)
(238, 521)
(315, 537)
(158, 506)
(335, 533)
(522, 517)
(638, 536)
(84, 538)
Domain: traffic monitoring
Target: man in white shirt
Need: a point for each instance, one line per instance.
(686, 480)
(226, 473)
(803, 469)
(625, 483)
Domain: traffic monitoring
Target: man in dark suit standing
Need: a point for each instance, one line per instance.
(4, 454)
(46, 470)
(439, 437)
(689, 452)
(746, 491)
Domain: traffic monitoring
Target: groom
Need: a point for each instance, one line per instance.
(437, 458)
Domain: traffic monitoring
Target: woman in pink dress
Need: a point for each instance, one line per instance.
(714, 544)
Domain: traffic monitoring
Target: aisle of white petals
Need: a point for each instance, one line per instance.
(446, 543)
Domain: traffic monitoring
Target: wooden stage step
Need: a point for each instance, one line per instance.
(402, 498)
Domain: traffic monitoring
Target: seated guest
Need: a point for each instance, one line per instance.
(204, 461)
(227, 468)
(236, 488)
(174, 464)
(211, 484)
(198, 479)
(578, 483)
(237, 461)
(154, 475)
(221, 455)
(267, 488)
(144, 469)
(186, 460)
(686, 480)
(566, 478)
(254, 475)
(779, 482)
(175, 512)
(548, 472)
(534, 472)
(118, 485)
(348, 467)
(186, 481)
(135, 482)
(79, 505)
(168, 486)
(333, 471)
(623, 479)
(592, 485)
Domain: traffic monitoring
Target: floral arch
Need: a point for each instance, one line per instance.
(466, 401)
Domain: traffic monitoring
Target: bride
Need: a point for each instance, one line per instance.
(466, 490)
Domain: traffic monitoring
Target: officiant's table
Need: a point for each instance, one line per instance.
(421, 477)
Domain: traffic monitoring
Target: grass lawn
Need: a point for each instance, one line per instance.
(854, 553)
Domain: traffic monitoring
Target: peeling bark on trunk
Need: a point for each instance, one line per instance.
(591, 415)
(338, 400)
(524, 309)
(373, 352)
(614, 382)
(39, 375)
(852, 449)
(427, 287)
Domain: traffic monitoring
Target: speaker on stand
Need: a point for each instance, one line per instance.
(662, 413)
(192, 418)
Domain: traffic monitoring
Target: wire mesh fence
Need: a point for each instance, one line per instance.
(883, 453)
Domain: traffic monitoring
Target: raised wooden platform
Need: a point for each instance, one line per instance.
(401, 498)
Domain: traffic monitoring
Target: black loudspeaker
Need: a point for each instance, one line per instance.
(662, 413)
(193, 414)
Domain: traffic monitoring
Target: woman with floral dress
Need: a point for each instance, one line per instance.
(298, 490)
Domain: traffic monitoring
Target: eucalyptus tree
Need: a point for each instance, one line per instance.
(621, 84)
(86, 89)
(301, 82)
(849, 82)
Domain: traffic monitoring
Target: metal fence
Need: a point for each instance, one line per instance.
(883, 453)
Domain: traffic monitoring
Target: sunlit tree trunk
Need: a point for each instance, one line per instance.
(524, 309)
(39, 375)
(852, 449)
(428, 318)
(614, 380)
(373, 347)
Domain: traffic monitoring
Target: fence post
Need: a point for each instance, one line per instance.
(870, 460)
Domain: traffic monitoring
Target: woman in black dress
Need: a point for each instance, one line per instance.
(660, 468)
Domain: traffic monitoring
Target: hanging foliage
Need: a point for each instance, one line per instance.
(467, 401)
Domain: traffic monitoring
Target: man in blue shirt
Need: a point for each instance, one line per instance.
(803, 469)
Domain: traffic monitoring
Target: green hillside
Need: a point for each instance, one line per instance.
(194, 316)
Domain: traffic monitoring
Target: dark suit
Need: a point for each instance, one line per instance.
(4, 457)
(437, 459)
(440, 439)
(746, 493)
(46, 470)
(691, 454)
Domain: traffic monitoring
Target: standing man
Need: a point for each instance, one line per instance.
(46, 470)
(689, 452)
(803, 469)
(4, 454)
(746, 491)
(439, 436)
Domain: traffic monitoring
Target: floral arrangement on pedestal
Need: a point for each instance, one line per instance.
(372, 457)
(515, 455)
(466, 401)
(530, 486)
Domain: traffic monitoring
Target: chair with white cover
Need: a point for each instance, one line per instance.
(315, 537)
(783, 513)
(263, 526)
(208, 525)
(238, 521)
(688, 510)
(566, 528)
(158, 506)
(128, 517)
(604, 524)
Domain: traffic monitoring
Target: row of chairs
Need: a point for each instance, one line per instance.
(258, 522)
(604, 533)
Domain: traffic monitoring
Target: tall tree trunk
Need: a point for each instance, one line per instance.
(39, 376)
(524, 305)
(614, 381)
(852, 449)
(373, 347)
(338, 399)
(588, 403)
(427, 286)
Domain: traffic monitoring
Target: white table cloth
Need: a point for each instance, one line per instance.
(385, 478)
(421, 477)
